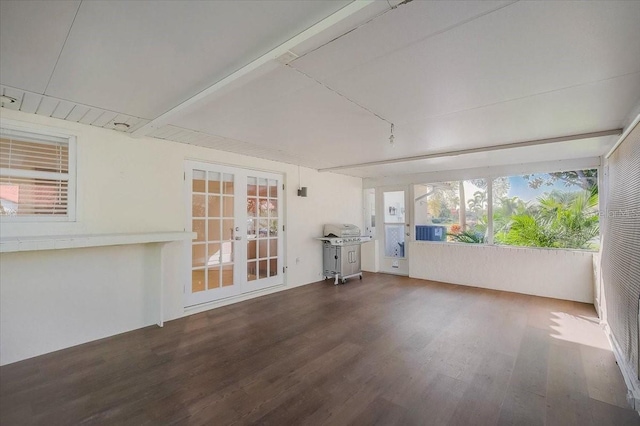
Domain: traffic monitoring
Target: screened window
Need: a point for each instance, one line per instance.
(556, 210)
(36, 176)
(451, 211)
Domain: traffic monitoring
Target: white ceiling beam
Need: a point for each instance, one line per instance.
(486, 172)
(273, 54)
(535, 142)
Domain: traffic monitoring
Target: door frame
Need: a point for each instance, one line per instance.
(242, 287)
(386, 262)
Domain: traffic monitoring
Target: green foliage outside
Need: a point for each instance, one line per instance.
(559, 219)
(470, 237)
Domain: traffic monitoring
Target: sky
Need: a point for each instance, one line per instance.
(520, 187)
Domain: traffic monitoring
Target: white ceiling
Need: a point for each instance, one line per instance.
(450, 75)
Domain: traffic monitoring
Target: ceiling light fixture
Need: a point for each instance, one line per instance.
(4, 99)
(121, 127)
(392, 138)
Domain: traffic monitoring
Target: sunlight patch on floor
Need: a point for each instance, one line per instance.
(581, 329)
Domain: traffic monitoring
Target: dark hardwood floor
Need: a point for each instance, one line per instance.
(385, 350)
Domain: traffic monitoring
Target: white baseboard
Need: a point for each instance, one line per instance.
(630, 379)
(196, 309)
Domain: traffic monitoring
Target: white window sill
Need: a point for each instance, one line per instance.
(58, 242)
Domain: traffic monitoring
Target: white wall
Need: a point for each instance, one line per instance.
(136, 185)
(370, 256)
(560, 274)
(59, 298)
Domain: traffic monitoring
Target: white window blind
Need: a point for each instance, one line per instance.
(621, 247)
(35, 176)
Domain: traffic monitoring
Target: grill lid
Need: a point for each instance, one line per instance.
(341, 230)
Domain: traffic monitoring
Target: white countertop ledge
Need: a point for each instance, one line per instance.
(59, 242)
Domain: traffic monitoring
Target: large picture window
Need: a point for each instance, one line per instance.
(555, 210)
(36, 176)
(558, 210)
(452, 211)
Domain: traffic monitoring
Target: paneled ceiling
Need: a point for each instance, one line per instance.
(449, 75)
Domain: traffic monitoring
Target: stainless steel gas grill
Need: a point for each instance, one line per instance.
(341, 251)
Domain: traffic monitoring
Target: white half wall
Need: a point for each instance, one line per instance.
(54, 299)
(136, 185)
(560, 274)
(370, 257)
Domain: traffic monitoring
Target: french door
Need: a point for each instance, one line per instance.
(237, 216)
(396, 225)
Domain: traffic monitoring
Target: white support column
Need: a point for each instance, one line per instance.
(161, 284)
(489, 211)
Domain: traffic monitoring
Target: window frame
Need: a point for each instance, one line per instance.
(369, 212)
(16, 129)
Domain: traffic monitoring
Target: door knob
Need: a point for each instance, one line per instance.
(238, 238)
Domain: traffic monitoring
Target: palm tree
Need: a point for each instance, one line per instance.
(505, 209)
(525, 230)
(470, 237)
(574, 216)
(478, 202)
(561, 219)
(511, 205)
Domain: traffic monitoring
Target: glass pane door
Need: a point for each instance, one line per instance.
(264, 240)
(220, 230)
(394, 224)
(213, 252)
(395, 233)
(237, 217)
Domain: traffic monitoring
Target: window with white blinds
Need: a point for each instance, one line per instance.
(37, 177)
(621, 248)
